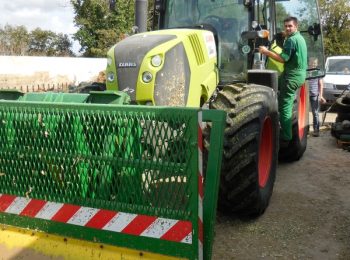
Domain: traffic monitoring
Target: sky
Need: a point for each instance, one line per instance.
(53, 15)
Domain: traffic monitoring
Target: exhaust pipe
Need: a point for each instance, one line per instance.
(141, 8)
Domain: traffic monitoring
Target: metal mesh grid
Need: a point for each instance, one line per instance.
(136, 160)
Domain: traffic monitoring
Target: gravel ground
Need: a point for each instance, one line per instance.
(309, 212)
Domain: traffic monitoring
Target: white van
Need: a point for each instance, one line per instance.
(337, 77)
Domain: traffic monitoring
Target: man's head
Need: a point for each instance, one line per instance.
(290, 25)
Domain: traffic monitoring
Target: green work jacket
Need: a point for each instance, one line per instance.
(294, 54)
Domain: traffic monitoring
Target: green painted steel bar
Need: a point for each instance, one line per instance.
(212, 176)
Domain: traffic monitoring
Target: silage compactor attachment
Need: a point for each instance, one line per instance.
(85, 176)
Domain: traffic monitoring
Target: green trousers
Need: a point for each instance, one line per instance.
(288, 87)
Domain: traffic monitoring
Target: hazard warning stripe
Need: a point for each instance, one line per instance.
(119, 222)
(100, 219)
(6, 201)
(17, 206)
(49, 210)
(126, 223)
(82, 216)
(181, 230)
(138, 225)
(65, 213)
(32, 208)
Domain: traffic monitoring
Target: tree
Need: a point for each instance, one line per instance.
(62, 45)
(16, 40)
(101, 24)
(48, 43)
(335, 16)
(13, 40)
(40, 42)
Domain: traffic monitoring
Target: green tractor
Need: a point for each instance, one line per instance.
(203, 53)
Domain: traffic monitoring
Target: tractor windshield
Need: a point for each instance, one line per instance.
(229, 18)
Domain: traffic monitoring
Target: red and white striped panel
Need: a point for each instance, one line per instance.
(127, 223)
(200, 186)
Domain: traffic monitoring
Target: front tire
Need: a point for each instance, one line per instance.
(250, 148)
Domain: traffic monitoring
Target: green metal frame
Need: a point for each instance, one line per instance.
(65, 140)
(212, 176)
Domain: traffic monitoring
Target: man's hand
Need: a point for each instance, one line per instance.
(322, 100)
(263, 50)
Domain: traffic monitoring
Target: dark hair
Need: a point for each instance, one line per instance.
(291, 18)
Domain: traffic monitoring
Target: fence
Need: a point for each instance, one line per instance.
(56, 87)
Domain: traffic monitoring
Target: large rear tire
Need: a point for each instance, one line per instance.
(300, 128)
(250, 148)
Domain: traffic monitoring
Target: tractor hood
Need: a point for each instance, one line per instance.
(129, 55)
(175, 67)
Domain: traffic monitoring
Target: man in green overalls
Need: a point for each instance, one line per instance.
(294, 57)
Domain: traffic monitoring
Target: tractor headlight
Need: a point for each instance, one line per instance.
(255, 24)
(110, 76)
(147, 77)
(263, 34)
(156, 61)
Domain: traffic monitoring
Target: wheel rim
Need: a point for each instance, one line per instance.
(265, 152)
(301, 112)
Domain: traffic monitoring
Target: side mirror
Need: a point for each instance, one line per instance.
(314, 30)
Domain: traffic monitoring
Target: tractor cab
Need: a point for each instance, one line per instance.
(238, 26)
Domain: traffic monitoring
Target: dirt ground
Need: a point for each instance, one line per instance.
(309, 213)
